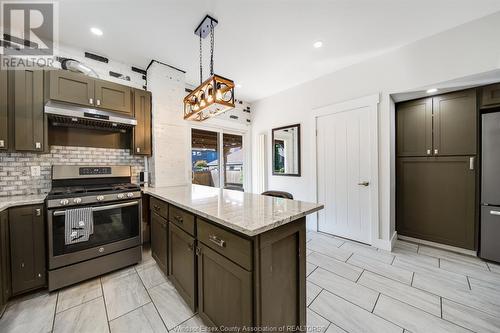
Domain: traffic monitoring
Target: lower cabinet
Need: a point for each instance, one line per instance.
(159, 238)
(436, 199)
(5, 288)
(27, 248)
(181, 264)
(224, 291)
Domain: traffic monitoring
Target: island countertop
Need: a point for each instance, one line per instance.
(247, 213)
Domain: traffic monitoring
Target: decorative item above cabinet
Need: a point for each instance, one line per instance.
(70, 87)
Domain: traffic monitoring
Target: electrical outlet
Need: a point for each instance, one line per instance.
(35, 171)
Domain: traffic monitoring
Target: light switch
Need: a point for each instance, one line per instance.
(35, 171)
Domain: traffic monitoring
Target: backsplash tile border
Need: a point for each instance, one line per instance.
(15, 168)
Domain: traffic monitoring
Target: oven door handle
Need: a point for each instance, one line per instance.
(101, 208)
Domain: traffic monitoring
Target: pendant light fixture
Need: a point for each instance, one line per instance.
(214, 95)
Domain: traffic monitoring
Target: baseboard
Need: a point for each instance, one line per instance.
(439, 246)
(384, 244)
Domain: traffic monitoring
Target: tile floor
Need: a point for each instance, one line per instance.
(350, 288)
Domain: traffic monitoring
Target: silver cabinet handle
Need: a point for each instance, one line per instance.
(98, 102)
(428, 151)
(101, 208)
(38, 145)
(138, 149)
(435, 151)
(364, 183)
(91, 101)
(494, 212)
(471, 163)
(2, 143)
(178, 219)
(38, 212)
(217, 241)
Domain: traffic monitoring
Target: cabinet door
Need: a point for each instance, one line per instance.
(224, 291)
(113, 97)
(71, 87)
(27, 240)
(142, 131)
(3, 110)
(159, 240)
(181, 264)
(455, 119)
(414, 128)
(490, 96)
(29, 124)
(436, 200)
(5, 288)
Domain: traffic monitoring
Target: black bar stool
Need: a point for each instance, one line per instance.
(278, 194)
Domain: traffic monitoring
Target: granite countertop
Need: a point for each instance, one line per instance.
(248, 213)
(20, 200)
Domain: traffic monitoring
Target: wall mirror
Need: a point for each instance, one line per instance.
(286, 150)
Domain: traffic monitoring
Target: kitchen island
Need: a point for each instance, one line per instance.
(237, 258)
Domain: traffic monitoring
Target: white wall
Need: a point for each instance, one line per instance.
(466, 50)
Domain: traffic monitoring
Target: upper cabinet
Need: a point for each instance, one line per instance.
(4, 127)
(27, 107)
(142, 131)
(443, 125)
(113, 97)
(83, 90)
(455, 119)
(66, 86)
(490, 96)
(414, 128)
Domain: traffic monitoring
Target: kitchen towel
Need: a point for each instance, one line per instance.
(78, 225)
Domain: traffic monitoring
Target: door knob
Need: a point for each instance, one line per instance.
(364, 183)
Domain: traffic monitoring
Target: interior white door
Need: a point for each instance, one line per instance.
(344, 169)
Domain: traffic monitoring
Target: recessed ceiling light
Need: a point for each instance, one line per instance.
(318, 44)
(432, 90)
(96, 31)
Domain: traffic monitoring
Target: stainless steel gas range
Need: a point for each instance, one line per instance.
(115, 211)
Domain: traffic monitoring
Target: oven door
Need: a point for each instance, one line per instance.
(116, 227)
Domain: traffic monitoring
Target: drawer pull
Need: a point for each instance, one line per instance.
(191, 247)
(178, 218)
(156, 207)
(494, 212)
(219, 242)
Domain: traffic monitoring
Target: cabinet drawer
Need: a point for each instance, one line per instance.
(159, 207)
(230, 245)
(182, 219)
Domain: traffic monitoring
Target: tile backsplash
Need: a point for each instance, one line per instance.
(15, 168)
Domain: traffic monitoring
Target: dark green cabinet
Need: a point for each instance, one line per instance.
(224, 291)
(5, 277)
(66, 86)
(27, 248)
(436, 199)
(4, 124)
(142, 131)
(490, 96)
(455, 123)
(29, 119)
(113, 97)
(182, 263)
(414, 128)
(159, 238)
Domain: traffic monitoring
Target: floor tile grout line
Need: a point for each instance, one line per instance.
(152, 301)
(330, 322)
(311, 302)
(441, 305)
(105, 306)
(74, 306)
(315, 268)
(55, 312)
(412, 277)
(173, 328)
(468, 282)
(359, 277)
(376, 301)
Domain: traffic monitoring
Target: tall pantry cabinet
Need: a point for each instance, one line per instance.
(436, 145)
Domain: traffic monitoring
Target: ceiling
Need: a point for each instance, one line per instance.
(265, 46)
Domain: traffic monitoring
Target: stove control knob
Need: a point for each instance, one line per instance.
(77, 200)
(121, 196)
(64, 202)
(130, 195)
(100, 198)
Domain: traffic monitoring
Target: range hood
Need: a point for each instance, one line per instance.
(70, 115)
